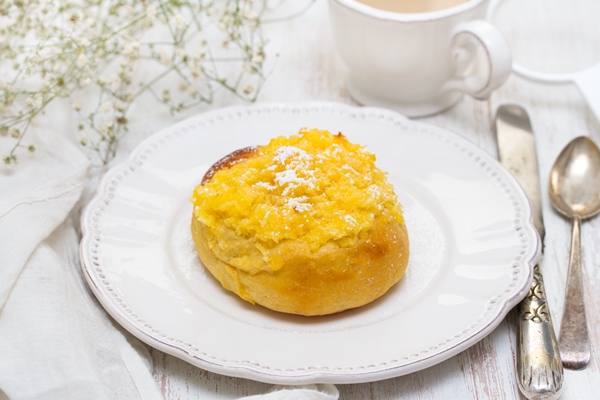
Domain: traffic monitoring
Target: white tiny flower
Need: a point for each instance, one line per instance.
(119, 106)
(151, 12)
(77, 106)
(211, 12)
(197, 73)
(106, 107)
(83, 42)
(81, 60)
(86, 81)
(129, 49)
(180, 53)
(178, 21)
(248, 89)
(191, 91)
(115, 82)
(250, 14)
(165, 59)
(75, 18)
(14, 133)
(34, 102)
(257, 58)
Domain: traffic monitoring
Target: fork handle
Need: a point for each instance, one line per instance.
(538, 361)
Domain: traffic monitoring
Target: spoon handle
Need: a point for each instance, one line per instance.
(573, 340)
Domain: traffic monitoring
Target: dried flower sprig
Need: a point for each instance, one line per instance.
(110, 53)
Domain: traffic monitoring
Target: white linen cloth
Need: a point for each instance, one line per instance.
(56, 341)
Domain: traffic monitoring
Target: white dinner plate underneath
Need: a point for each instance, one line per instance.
(473, 247)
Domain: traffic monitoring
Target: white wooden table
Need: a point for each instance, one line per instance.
(307, 69)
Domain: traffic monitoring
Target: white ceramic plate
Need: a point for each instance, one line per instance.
(473, 247)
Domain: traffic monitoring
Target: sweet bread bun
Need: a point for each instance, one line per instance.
(304, 225)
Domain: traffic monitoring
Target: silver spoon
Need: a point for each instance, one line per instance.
(574, 190)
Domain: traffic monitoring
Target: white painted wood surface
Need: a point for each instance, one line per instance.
(307, 69)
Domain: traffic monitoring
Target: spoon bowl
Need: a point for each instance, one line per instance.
(574, 190)
(574, 187)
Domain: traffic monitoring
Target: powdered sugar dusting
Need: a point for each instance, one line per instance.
(284, 153)
(299, 203)
(297, 169)
(350, 219)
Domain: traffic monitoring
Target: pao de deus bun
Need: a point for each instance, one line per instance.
(306, 224)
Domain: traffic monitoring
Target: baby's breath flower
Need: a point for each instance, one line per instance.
(165, 59)
(196, 73)
(178, 21)
(131, 48)
(191, 91)
(74, 18)
(250, 14)
(151, 12)
(257, 58)
(166, 95)
(73, 48)
(34, 102)
(81, 60)
(83, 42)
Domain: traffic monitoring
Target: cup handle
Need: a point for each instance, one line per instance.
(481, 58)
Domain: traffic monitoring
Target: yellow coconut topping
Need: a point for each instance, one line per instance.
(313, 186)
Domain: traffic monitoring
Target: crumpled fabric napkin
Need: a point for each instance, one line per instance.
(56, 341)
(304, 392)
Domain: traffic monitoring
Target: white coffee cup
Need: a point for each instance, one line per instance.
(419, 63)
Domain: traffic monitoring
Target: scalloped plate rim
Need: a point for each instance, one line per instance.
(304, 377)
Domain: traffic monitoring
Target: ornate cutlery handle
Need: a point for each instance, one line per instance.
(538, 361)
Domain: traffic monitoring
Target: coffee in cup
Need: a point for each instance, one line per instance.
(412, 6)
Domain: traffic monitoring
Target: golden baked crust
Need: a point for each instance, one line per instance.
(291, 274)
(330, 280)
